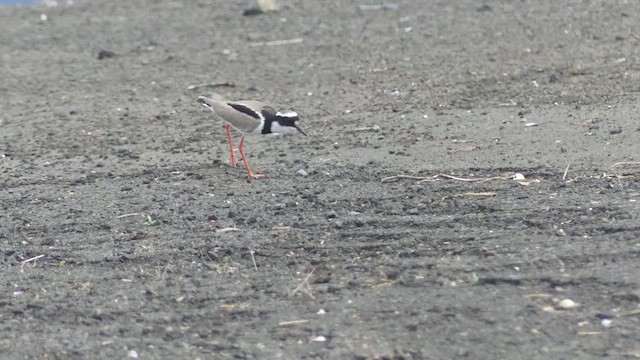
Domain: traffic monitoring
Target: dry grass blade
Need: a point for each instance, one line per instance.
(435, 177)
(224, 230)
(411, 177)
(304, 285)
(294, 322)
(564, 176)
(626, 163)
(277, 42)
(486, 193)
(374, 128)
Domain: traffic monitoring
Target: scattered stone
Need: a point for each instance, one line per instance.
(106, 54)
(383, 6)
(302, 172)
(632, 295)
(615, 131)
(261, 7)
(392, 273)
(567, 304)
(321, 274)
(251, 220)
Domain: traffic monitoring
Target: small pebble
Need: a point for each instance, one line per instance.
(106, 54)
(302, 172)
(567, 304)
(261, 7)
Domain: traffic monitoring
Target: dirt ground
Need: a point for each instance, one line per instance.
(395, 230)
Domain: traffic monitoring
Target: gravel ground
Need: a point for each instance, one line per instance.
(469, 187)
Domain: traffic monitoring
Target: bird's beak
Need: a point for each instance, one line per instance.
(300, 129)
(204, 101)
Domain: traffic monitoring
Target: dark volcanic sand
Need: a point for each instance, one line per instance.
(112, 172)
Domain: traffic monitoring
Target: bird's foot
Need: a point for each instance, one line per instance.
(233, 161)
(255, 176)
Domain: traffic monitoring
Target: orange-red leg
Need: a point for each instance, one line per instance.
(232, 152)
(246, 163)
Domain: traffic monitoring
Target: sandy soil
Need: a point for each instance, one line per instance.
(125, 233)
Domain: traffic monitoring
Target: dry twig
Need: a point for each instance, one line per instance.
(625, 163)
(374, 128)
(24, 262)
(464, 149)
(277, 42)
(220, 84)
(255, 266)
(127, 215)
(486, 193)
(435, 177)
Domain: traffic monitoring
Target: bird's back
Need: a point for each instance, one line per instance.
(244, 115)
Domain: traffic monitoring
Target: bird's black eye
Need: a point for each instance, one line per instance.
(287, 120)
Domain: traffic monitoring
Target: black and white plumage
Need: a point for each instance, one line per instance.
(251, 117)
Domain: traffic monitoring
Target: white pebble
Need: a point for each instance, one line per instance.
(567, 304)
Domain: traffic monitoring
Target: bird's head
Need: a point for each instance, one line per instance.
(286, 122)
(206, 102)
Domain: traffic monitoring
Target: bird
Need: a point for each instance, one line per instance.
(251, 117)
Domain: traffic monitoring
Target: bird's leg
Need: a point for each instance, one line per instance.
(246, 163)
(232, 152)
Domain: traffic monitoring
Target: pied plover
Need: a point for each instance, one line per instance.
(251, 117)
